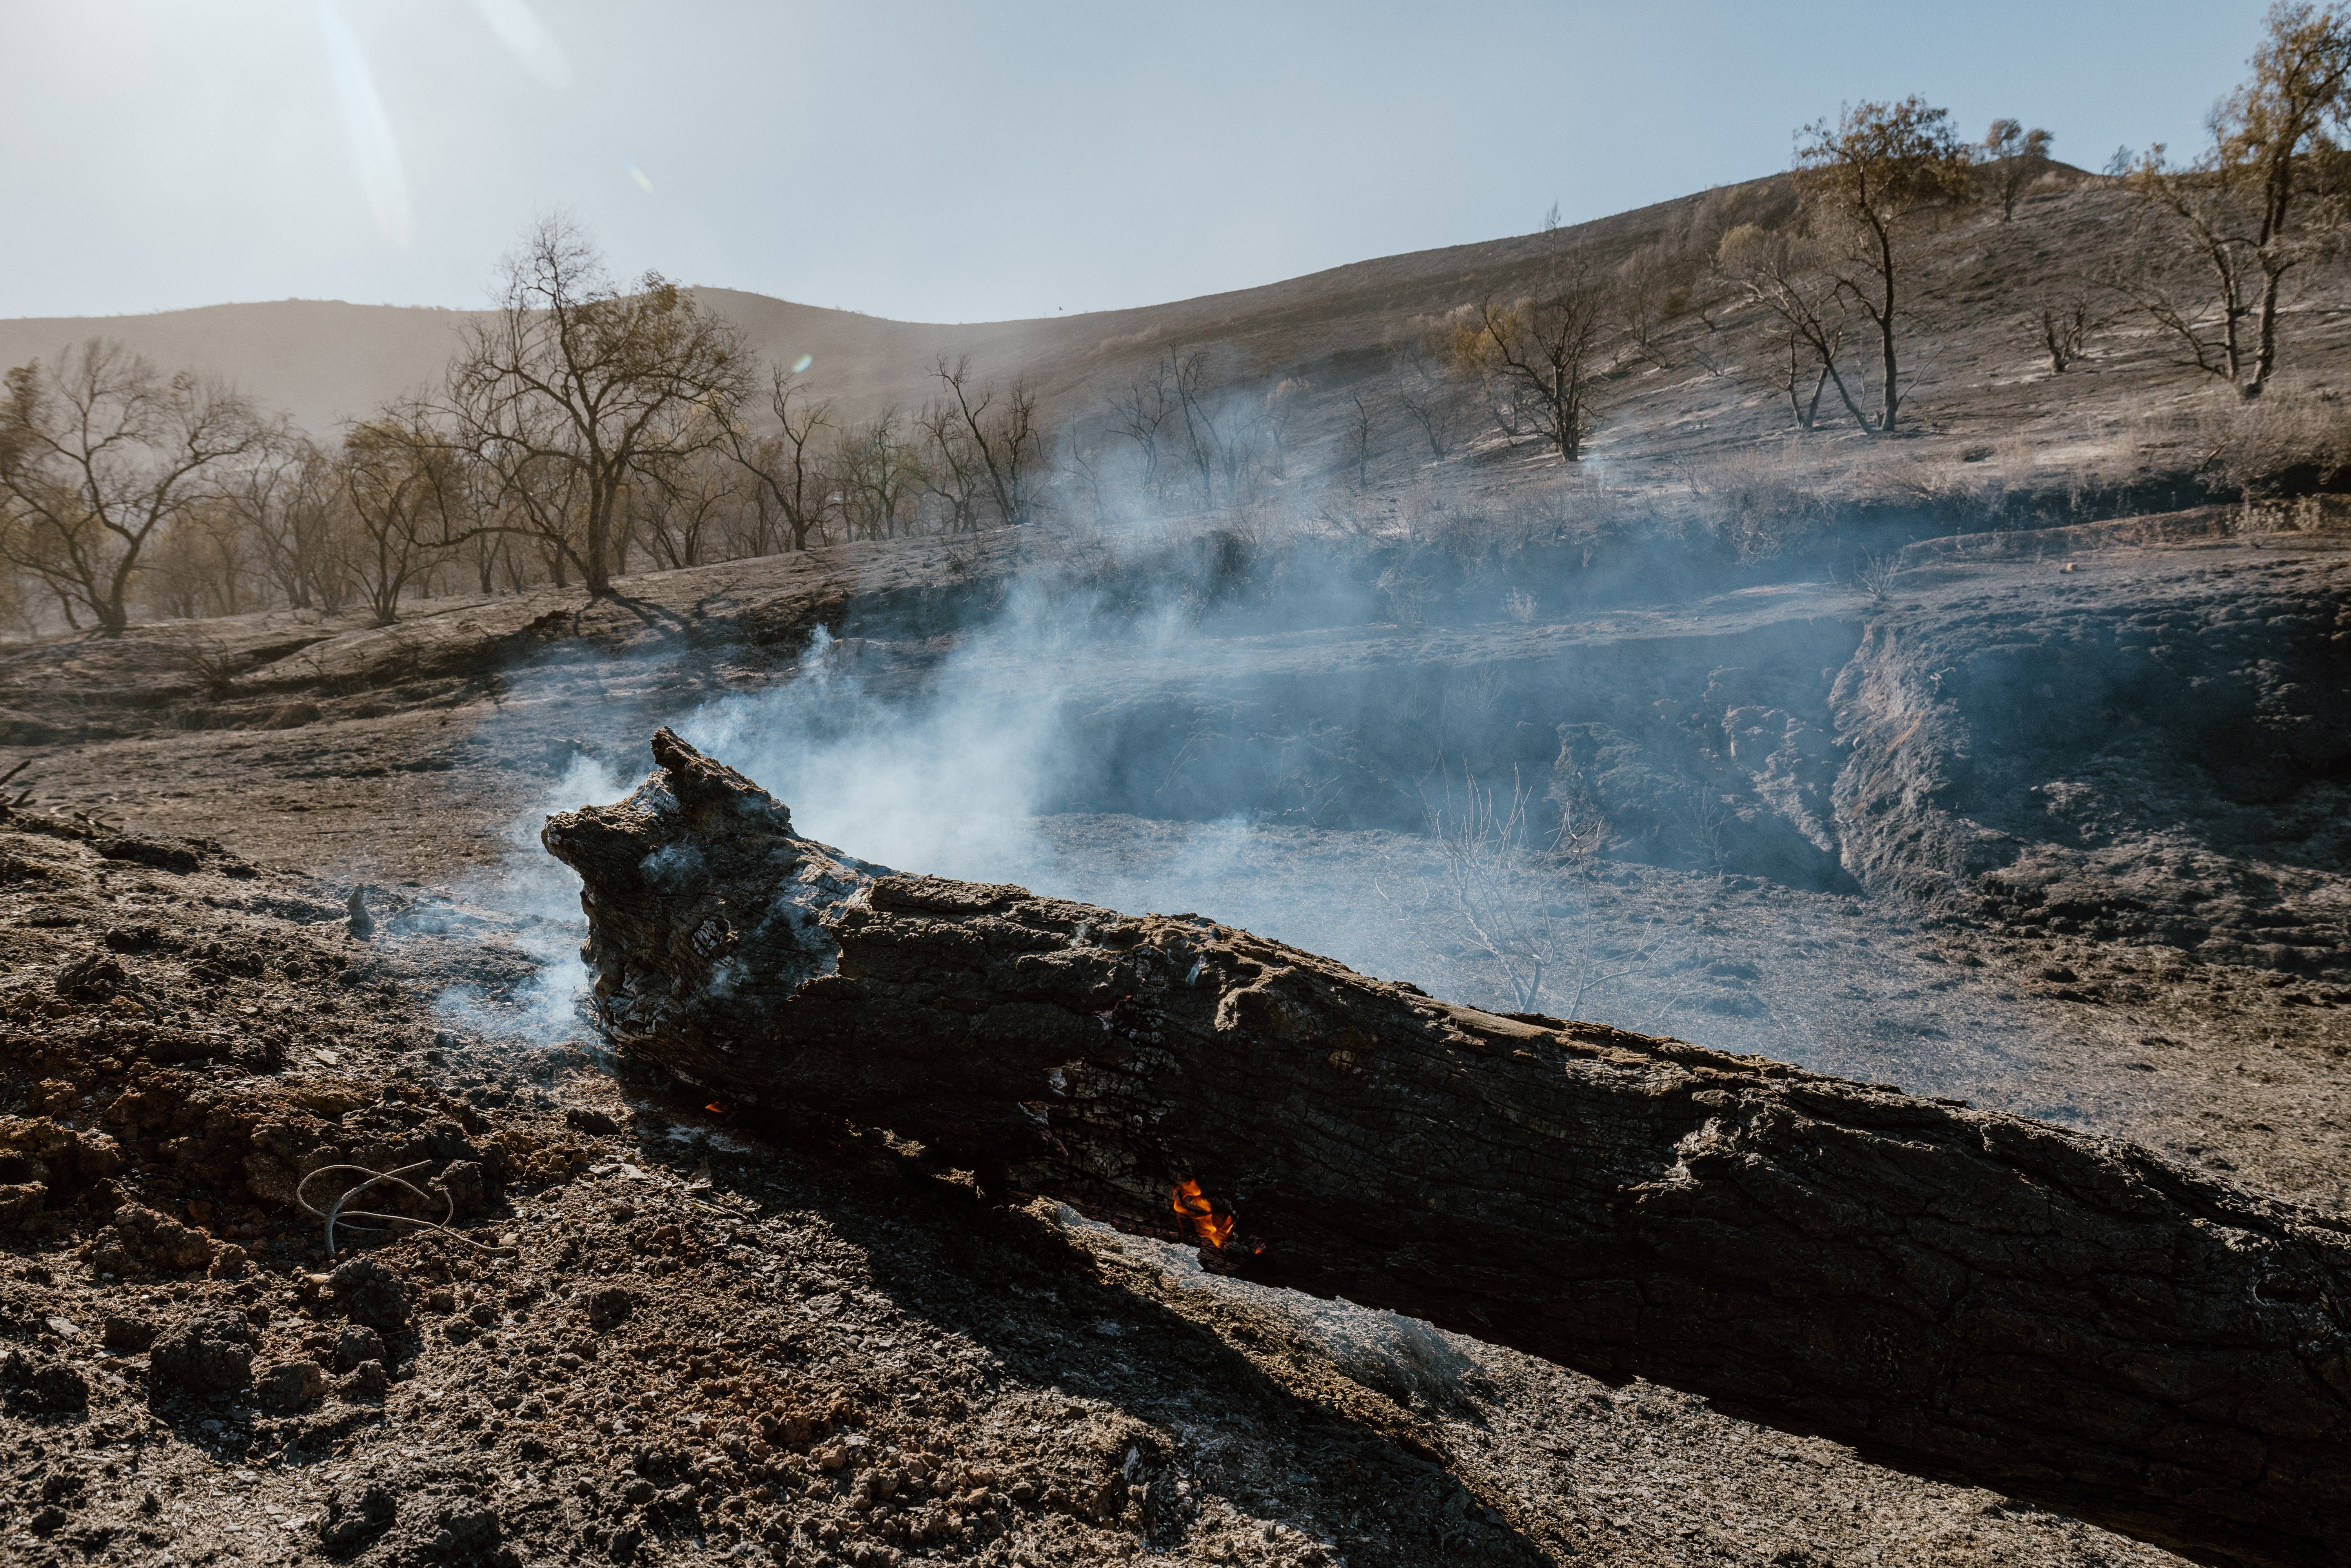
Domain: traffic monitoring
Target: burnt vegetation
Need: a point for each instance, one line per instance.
(1885, 622)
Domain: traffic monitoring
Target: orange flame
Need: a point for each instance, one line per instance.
(1213, 1228)
(718, 1107)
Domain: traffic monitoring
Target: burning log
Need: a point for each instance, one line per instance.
(2064, 1318)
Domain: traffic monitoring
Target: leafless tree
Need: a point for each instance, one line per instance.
(200, 567)
(681, 506)
(1277, 420)
(1140, 412)
(2066, 322)
(1493, 905)
(1211, 425)
(573, 385)
(1652, 289)
(956, 475)
(878, 473)
(1004, 435)
(788, 463)
(1874, 182)
(402, 478)
(2261, 205)
(1542, 355)
(287, 498)
(1427, 395)
(2016, 157)
(100, 455)
(1362, 417)
(1803, 307)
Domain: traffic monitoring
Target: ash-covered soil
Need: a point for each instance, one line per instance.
(652, 1333)
(1833, 842)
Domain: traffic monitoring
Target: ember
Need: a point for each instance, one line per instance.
(1213, 1229)
(718, 1107)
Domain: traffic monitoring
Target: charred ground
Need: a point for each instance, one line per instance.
(704, 1336)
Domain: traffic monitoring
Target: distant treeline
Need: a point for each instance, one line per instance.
(586, 428)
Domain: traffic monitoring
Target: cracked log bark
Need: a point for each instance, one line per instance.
(2064, 1318)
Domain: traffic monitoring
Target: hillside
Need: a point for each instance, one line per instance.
(323, 360)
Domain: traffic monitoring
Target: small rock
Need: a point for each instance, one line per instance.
(469, 1189)
(293, 715)
(229, 1260)
(370, 1294)
(95, 979)
(358, 1344)
(463, 1532)
(20, 1202)
(159, 1240)
(207, 1354)
(580, 1120)
(610, 1307)
(124, 1332)
(147, 852)
(290, 1385)
(367, 1384)
(357, 1511)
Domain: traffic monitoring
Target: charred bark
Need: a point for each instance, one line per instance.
(2064, 1318)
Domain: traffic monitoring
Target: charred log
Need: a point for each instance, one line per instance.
(2064, 1318)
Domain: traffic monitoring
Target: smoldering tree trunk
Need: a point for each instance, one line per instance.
(2060, 1317)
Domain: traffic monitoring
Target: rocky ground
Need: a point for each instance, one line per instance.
(660, 1334)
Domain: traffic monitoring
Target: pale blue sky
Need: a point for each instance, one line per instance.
(945, 161)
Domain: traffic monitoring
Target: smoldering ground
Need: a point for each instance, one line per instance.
(1628, 814)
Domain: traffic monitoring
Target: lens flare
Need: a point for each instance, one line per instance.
(803, 362)
(521, 31)
(644, 180)
(375, 151)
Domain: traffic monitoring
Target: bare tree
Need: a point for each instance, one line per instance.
(1428, 395)
(573, 375)
(201, 565)
(683, 504)
(787, 464)
(2066, 322)
(878, 473)
(1277, 419)
(99, 455)
(1140, 412)
(2261, 203)
(1495, 907)
(401, 480)
(1003, 432)
(287, 499)
(1872, 182)
(958, 476)
(1541, 354)
(1652, 289)
(1210, 422)
(1803, 305)
(1362, 414)
(2016, 157)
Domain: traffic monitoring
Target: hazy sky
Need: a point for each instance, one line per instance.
(962, 161)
